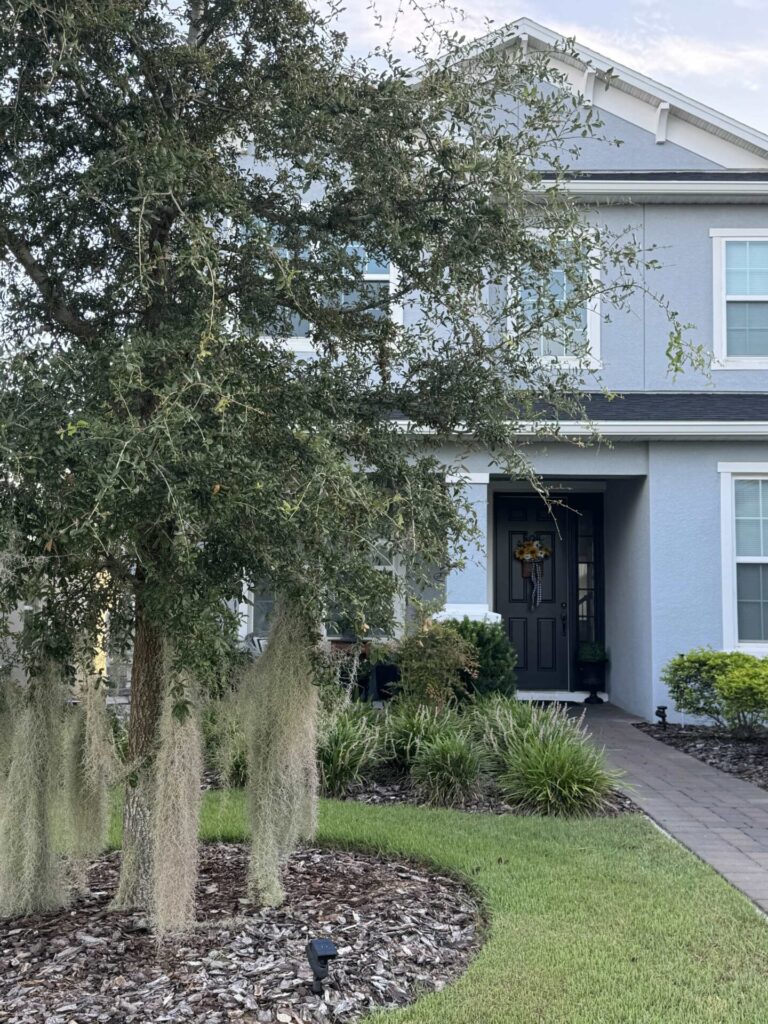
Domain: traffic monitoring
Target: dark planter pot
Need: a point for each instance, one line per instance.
(591, 676)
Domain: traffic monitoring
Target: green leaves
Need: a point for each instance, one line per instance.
(155, 419)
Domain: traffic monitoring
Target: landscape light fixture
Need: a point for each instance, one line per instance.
(661, 714)
(319, 952)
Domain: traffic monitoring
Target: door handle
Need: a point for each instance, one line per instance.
(564, 619)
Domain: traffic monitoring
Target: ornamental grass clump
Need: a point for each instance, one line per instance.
(552, 767)
(408, 725)
(176, 813)
(349, 750)
(31, 875)
(493, 720)
(280, 714)
(446, 770)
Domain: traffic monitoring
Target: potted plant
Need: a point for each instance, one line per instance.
(590, 667)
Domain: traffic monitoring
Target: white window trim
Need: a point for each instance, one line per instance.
(730, 472)
(305, 346)
(722, 361)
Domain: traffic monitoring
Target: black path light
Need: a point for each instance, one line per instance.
(661, 714)
(319, 952)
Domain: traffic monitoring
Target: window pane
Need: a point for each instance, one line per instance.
(737, 282)
(748, 537)
(747, 328)
(750, 620)
(736, 255)
(748, 582)
(374, 266)
(747, 493)
(746, 268)
(752, 601)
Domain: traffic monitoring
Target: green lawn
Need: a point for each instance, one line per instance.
(603, 921)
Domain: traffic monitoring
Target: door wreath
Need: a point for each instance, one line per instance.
(531, 553)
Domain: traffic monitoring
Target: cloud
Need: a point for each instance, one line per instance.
(679, 55)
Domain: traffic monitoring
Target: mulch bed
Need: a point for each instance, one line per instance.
(400, 791)
(400, 930)
(746, 758)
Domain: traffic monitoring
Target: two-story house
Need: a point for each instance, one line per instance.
(664, 545)
(661, 541)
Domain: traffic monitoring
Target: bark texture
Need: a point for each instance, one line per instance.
(135, 888)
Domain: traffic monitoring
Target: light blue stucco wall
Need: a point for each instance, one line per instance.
(685, 557)
(633, 343)
(628, 594)
(638, 150)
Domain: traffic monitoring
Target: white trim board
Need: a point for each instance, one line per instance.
(611, 188)
(701, 430)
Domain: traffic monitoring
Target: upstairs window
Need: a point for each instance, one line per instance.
(741, 298)
(744, 532)
(379, 281)
(575, 335)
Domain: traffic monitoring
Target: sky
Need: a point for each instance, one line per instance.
(714, 51)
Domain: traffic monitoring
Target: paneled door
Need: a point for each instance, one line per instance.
(542, 633)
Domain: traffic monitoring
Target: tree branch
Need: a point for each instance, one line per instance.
(57, 308)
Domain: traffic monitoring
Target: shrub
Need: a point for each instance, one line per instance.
(728, 687)
(552, 767)
(348, 750)
(496, 657)
(744, 694)
(493, 720)
(435, 664)
(446, 770)
(408, 725)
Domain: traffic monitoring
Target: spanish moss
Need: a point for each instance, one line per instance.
(281, 717)
(31, 876)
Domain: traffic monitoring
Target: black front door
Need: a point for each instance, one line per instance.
(539, 626)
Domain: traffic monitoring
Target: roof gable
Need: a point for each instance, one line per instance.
(669, 117)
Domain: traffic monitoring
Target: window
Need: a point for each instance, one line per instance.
(587, 609)
(745, 555)
(380, 278)
(576, 338)
(740, 263)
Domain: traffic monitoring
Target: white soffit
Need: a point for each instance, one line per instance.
(638, 99)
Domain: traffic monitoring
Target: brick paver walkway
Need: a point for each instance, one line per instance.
(722, 819)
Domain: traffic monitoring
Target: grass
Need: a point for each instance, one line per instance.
(596, 921)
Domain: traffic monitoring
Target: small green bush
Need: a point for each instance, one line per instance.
(446, 771)
(408, 725)
(496, 657)
(435, 664)
(552, 767)
(728, 687)
(349, 749)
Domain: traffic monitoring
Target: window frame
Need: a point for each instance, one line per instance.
(730, 473)
(720, 298)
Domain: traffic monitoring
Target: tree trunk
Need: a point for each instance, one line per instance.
(135, 888)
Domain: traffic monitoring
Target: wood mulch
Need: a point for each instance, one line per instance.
(746, 758)
(400, 930)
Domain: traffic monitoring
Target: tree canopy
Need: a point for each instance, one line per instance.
(182, 184)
